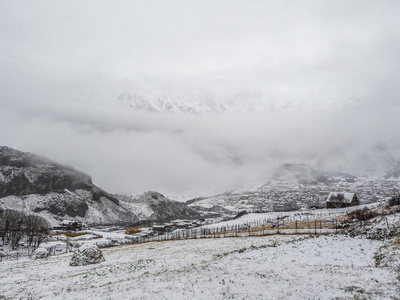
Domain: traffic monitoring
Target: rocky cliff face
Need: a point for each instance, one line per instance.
(38, 185)
(25, 173)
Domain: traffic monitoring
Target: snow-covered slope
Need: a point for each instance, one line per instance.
(394, 173)
(271, 267)
(294, 186)
(80, 204)
(155, 206)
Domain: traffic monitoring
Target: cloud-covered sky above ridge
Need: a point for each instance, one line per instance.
(63, 64)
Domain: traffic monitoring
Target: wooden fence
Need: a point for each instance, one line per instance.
(292, 224)
(254, 228)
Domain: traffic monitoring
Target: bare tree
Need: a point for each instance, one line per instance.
(337, 201)
(36, 229)
(15, 225)
(16, 221)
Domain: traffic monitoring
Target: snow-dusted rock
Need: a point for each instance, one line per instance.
(87, 254)
(40, 253)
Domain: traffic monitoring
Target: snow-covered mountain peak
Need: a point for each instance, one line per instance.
(195, 104)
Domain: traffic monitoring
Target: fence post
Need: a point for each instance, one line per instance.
(315, 226)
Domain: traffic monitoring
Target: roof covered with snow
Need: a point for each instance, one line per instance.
(343, 197)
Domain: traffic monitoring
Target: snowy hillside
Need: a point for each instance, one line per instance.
(296, 186)
(361, 261)
(56, 192)
(155, 206)
(273, 267)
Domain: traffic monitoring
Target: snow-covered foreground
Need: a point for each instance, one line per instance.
(271, 267)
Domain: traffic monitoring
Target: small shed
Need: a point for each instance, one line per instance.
(341, 199)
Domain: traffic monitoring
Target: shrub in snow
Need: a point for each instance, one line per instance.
(240, 214)
(87, 254)
(132, 230)
(40, 253)
(388, 255)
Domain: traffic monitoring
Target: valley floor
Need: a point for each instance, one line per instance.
(270, 267)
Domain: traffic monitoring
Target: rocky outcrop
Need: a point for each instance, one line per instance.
(61, 204)
(87, 254)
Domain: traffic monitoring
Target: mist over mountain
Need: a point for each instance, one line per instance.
(394, 173)
(130, 151)
(186, 97)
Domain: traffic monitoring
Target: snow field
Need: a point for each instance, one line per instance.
(271, 267)
(254, 219)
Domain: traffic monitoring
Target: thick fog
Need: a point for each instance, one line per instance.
(324, 73)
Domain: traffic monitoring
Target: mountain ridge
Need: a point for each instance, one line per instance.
(165, 103)
(38, 185)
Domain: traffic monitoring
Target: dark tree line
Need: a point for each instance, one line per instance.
(16, 226)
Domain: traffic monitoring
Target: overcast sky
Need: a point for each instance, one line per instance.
(333, 68)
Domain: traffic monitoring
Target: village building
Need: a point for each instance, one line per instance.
(69, 225)
(162, 228)
(341, 199)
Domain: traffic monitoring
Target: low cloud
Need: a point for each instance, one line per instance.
(131, 152)
(327, 72)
